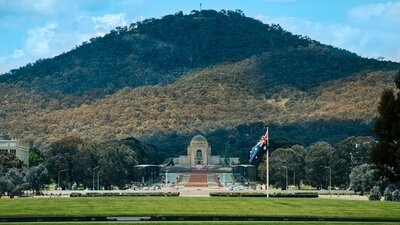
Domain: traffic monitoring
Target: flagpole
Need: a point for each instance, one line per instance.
(267, 164)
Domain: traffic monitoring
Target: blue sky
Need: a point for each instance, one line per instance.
(33, 29)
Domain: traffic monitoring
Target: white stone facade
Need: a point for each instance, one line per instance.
(17, 148)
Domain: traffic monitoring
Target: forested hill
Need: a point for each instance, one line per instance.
(220, 74)
(157, 51)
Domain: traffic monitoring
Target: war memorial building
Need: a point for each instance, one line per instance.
(198, 159)
(199, 155)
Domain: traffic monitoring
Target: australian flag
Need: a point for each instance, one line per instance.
(256, 150)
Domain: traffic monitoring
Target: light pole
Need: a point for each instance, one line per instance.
(286, 177)
(330, 178)
(94, 169)
(98, 183)
(294, 178)
(166, 178)
(58, 178)
(142, 178)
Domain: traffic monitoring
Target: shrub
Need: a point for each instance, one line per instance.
(123, 194)
(306, 187)
(387, 194)
(396, 195)
(272, 195)
(75, 194)
(361, 178)
(94, 194)
(375, 194)
(306, 194)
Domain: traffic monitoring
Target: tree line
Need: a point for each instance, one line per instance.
(320, 164)
(15, 177)
(71, 163)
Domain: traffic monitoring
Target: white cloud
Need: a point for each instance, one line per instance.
(389, 12)
(27, 7)
(39, 40)
(103, 24)
(12, 60)
(379, 24)
(334, 34)
(45, 28)
(53, 38)
(369, 42)
(16, 54)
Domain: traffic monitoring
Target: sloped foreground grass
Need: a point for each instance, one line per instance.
(227, 223)
(179, 206)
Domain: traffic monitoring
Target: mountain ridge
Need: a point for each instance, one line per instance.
(170, 77)
(159, 51)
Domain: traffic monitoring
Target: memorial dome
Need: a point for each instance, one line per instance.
(199, 139)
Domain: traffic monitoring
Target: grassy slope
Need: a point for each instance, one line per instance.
(158, 206)
(224, 223)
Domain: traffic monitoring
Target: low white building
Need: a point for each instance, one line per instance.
(17, 148)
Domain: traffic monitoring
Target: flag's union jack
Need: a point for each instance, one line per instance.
(263, 140)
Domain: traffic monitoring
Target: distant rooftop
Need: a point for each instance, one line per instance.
(5, 138)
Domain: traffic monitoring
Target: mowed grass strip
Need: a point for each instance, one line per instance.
(179, 206)
(218, 223)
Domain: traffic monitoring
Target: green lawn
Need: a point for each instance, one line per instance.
(169, 206)
(223, 223)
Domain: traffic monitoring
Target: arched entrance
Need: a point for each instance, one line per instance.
(199, 157)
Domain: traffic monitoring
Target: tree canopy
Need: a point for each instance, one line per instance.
(8, 161)
(319, 160)
(80, 162)
(386, 154)
(349, 153)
